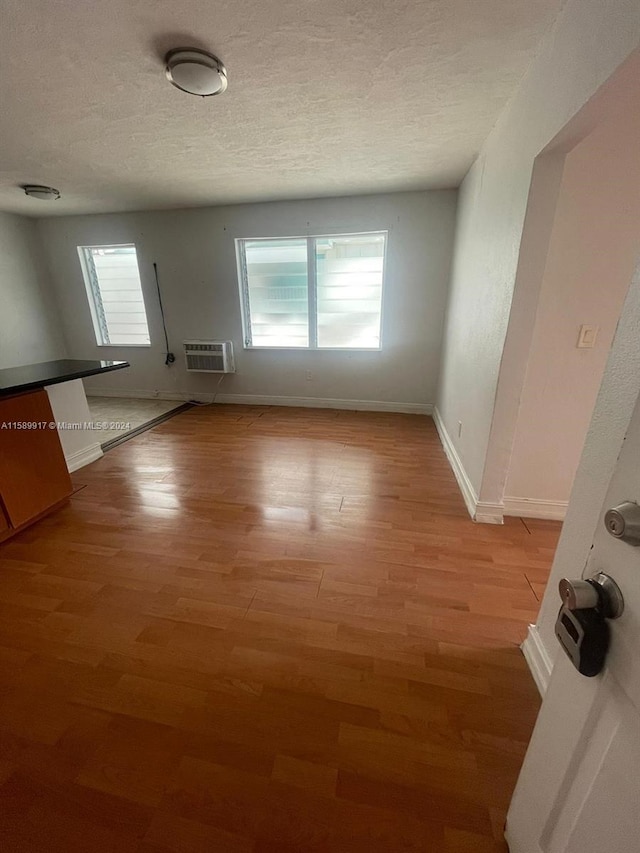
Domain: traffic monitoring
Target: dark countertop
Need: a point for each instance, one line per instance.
(17, 380)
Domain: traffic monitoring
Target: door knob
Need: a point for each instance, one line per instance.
(623, 522)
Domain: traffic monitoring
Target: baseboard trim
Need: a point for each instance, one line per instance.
(266, 400)
(480, 511)
(327, 403)
(489, 513)
(537, 659)
(526, 508)
(83, 457)
(141, 394)
(466, 487)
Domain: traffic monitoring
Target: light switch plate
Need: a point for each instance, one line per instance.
(587, 336)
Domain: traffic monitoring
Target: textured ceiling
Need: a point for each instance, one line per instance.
(326, 97)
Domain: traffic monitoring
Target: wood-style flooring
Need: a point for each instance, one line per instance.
(266, 630)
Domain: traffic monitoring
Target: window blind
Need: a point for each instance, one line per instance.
(349, 285)
(277, 284)
(313, 292)
(113, 285)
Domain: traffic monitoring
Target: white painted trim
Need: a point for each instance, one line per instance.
(327, 403)
(141, 394)
(488, 513)
(480, 511)
(527, 508)
(466, 487)
(265, 400)
(83, 457)
(537, 658)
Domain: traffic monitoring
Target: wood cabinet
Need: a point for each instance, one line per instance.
(33, 472)
(5, 527)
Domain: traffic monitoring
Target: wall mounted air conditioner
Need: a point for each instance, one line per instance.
(209, 356)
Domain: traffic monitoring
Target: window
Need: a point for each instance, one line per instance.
(112, 279)
(313, 292)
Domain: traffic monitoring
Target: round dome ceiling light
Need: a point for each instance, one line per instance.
(43, 193)
(196, 71)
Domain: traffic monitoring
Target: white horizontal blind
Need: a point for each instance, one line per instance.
(349, 273)
(276, 282)
(114, 286)
(323, 292)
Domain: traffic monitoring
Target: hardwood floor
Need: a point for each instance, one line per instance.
(265, 629)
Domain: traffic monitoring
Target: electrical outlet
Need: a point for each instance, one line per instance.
(309, 376)
(459, 428)
(587, 337)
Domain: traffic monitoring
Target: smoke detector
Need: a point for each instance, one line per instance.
(43, 193)
(195, 71)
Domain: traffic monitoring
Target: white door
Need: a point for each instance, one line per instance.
(579, 789)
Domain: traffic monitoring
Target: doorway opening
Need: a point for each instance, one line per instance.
(592, 251)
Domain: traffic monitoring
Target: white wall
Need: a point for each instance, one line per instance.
(592, 253)
(70, 408)
(195, 253)
(30, 329)
(614, 407)
(587, 43)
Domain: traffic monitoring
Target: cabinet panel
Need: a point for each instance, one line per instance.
(4, 524)
(33, 471)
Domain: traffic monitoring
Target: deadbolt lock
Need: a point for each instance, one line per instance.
(623, 522)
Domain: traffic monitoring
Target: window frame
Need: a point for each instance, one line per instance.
(312, 290)
(92, 282)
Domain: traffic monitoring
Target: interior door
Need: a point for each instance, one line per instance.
(579, 789)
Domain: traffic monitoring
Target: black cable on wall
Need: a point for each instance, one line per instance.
(170, 357)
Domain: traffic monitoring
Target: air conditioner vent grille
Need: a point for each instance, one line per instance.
(209, 356)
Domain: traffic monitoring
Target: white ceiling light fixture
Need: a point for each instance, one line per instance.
(195, 71)
(43, 193)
